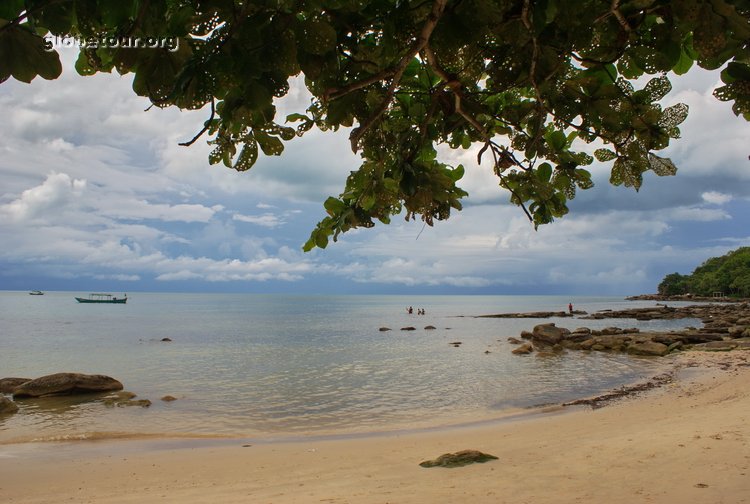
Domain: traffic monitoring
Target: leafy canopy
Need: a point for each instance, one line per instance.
(728, 275)
(525, 81)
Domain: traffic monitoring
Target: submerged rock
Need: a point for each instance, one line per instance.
(526, 348)
(66, 384)
(7, 407)
(459, 459)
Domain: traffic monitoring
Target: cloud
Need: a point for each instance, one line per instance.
(266, 220)
(56, 190)
(716, 198)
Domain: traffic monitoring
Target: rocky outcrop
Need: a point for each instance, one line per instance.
(7, 407)
(8, 385)
(725, 327)
(66, 384)
(540, 315)
(459, 459)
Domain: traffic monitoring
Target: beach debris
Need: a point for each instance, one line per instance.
(383, 329)
(8, 385)
(66, 384)
(604, 399)
(168, 398)
(7, 407)
(459, 459)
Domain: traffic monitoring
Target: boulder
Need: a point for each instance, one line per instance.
(8, 385)
(430, 328)
(648, 348)
(409, 328)
(384, 329)
(459, 459)
(7, 407)
(514, 341)
(66, 384)
(548, 334)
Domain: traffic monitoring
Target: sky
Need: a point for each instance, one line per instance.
(96, 194)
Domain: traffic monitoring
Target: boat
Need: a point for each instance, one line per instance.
(98, 297)
(36, 293)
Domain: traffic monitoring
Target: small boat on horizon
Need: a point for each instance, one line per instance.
(98, 297)
(36, 293)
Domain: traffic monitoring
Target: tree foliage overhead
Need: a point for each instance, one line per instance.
(524, 81)
(728, 275)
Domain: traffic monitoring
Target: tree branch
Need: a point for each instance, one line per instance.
(206, 126)
(398, 71)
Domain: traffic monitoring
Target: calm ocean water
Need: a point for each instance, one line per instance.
(275, 366)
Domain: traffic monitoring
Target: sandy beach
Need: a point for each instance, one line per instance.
(683, 442)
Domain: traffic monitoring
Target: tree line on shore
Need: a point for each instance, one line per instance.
(728, 275)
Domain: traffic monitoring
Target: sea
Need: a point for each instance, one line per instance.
(278, 367)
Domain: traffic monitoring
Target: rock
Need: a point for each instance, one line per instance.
(459, 459)
(429, 328)
(66, 384)
(7, 407)
(455, 343)
(647, 348)
(168, 398)
(409, 328)
(716, 346)
(166, 339)
(383, 329)
(7, 385)
(526, 335)
(548, 334)
(514, 341)
(736, 331)
(526, 348)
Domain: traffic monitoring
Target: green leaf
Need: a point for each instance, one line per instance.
(23, 55)
(544, 172)
(604, 155)
(318, 37)
(271, 145)
(684, 63)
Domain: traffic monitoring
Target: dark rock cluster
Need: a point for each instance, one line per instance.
(725, 327)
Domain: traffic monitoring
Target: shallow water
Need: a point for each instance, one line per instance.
(278, 366)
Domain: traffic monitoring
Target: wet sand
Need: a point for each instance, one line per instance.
(686, 441)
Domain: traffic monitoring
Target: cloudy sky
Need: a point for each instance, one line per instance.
(96, 194)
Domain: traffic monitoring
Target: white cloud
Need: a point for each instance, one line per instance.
(266, 220)
(716, 198)
(47, 198)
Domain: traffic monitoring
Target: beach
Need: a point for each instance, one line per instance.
(686, 441)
